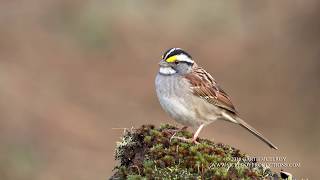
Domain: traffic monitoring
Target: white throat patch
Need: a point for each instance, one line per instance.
(167, 70)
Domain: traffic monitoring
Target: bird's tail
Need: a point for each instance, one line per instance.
(241, 122)
(255, 132)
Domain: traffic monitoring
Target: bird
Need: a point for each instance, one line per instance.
(192, 97)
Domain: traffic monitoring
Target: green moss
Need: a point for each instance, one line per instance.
(152, 153)
(135, 177)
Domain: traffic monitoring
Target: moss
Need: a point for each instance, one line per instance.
(152, 153)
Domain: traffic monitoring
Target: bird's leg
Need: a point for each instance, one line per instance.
(195, 136)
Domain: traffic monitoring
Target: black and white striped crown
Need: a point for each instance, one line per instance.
(175, 51)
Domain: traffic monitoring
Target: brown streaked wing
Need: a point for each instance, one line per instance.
(204, 86)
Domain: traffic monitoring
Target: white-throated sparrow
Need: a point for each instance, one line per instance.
(192, 97)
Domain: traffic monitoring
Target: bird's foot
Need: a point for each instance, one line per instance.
(188, 140)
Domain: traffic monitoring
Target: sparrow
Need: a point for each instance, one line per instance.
(192, 97)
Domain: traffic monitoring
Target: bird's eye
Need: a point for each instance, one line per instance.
(176, 62)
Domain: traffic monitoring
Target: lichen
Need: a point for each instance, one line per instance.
(153, 153)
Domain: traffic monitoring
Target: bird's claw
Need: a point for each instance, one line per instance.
(185, 139)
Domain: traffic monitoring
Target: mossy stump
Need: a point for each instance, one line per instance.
(152, 153)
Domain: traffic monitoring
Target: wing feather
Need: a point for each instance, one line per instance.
(204, 86)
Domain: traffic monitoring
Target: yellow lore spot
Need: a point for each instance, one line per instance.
(171, 59)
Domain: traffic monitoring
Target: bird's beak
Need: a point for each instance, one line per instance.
(163, 63)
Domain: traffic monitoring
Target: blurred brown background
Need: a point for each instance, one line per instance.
(71, 71)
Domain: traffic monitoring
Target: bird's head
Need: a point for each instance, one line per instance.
(175, 60)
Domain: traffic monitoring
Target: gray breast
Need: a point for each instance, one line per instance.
(176, 98)
(172, 85)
